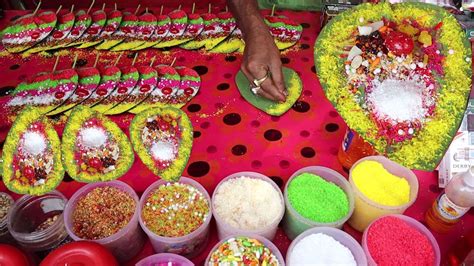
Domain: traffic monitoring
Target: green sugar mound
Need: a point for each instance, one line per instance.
(317, 199)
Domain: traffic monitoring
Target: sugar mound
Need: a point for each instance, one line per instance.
(34, 142)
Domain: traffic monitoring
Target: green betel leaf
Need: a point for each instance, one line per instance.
(94, 148)
(162, 138)
(293, 85)
(31, 155)
(420, 142)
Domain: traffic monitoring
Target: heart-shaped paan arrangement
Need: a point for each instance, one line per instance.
(399, 75)
(162, 138)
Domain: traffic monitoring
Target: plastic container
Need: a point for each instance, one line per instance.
(5, 236)
(224, 230)
(295, 224)
(262, 239)
(415, 224)
(165, 259)
(339, 235)
(124, 244)
(189, 245)
(366, 210)
(29, 212)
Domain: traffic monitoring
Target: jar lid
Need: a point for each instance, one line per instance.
(80, 253)
(11, 255)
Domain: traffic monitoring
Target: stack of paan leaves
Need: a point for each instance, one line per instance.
(55, 39)
(188, 87)
(109, 79)
(117, 31)
(194, 28)
(163, 23)
(89, 80)
(127, 29)
(234, 43)
(146, 26)
(226, 24)
(147, 81)
(399, 75)
(114, 18)
(91, 36)
(179, 23)
(162, 138)
(94, 148)
(46, 91)
(108, 89)
(82, 22)
(285, 31)
(165, 91)
(210, 28)
(32, 155)
(27, 31)
(127, 83)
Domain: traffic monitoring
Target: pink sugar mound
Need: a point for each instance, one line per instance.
(391, 241)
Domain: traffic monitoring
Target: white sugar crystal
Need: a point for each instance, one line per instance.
(398, 100)
(413, 66)
(162, 151)
(451, 51)
(247, 203)
(34, 142)
(401, 132)
(93, 137)
(361, 19)
(410, 131)
(320, 249)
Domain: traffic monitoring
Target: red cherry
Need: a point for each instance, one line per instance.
(75, 32)
(29, 172)
(58, 34)
(161, 31)
(209, 28)
(35, 35)
(226, 28)
(82, 92)
(167, 90)
(192, 31)
(122, 90)
(126, 30)
(59, 95)
(95, 163)
(399, 43)
(188, 91)
(174, 30)
(145, 88)
(92, 31)
(109, 28)
(146, 32)
(276, 31)
(101, 92)
(164, 126)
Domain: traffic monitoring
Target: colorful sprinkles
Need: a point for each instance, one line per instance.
(242, 251)
(392, 241)
(5, 204)
(102, 212)
(174, 210)
(317, 199)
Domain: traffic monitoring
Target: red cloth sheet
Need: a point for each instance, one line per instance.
(232, 136)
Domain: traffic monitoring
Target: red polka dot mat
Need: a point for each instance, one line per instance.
(229, 134)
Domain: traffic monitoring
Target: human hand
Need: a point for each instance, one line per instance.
(261, 56)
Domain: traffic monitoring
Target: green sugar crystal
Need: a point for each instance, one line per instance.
(317, 199)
